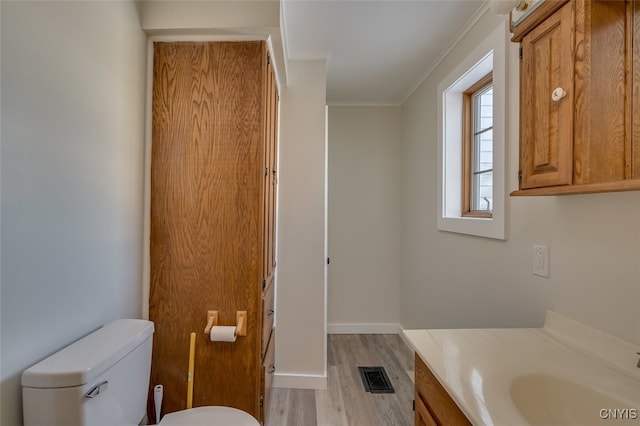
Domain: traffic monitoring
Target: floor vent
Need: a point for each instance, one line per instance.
(375, 380)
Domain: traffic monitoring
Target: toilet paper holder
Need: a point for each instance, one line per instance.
(241, 322)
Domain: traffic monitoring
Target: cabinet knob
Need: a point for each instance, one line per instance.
(558, 93)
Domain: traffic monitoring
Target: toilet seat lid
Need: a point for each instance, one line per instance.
(209, 416)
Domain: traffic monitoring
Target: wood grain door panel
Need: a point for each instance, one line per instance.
(635, 116)
(602, 136)
(206, 218)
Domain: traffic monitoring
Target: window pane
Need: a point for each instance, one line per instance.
(486, 140)
(482, 191)
(483, 101)
(482, 151)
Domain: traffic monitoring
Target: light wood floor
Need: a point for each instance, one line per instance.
(345, 402)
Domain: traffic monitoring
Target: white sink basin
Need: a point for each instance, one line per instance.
(545, 400)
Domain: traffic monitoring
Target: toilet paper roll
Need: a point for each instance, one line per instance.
(221, 333)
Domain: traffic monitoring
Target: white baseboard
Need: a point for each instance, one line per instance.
(312, 381)
(300, 381)
(387, 328)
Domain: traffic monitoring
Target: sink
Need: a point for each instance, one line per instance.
(545, 400)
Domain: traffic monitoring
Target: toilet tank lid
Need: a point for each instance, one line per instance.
(87, 358)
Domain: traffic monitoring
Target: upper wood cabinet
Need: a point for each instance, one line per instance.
(546, 124)
(579, 97)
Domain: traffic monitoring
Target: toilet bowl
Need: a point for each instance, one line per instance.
(103, 379)
(209, 416)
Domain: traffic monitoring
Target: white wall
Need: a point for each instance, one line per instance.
(451, 280)
(364, 218)
(227, 19)
(300, 290)
(163, 14)
(72, 177)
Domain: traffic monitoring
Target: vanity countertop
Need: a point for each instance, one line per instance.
(478, 366)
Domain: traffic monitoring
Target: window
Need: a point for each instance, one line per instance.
(471, 191)
(477, 151)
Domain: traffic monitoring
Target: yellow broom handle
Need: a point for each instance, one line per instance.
(192, 349)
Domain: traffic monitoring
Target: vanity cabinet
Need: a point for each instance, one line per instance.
(579, 97)
(213, 185)
(433, 405)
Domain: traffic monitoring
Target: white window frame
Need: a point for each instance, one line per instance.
(488, 55)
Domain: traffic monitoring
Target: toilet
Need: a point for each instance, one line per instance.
(103, 379)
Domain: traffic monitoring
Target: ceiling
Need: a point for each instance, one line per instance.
(377, 51)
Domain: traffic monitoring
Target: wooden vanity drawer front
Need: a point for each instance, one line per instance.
(267, 317)
(437, 401)
(423, 417)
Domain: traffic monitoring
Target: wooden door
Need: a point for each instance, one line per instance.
(546, 126)
(207, 218)
(635, 116)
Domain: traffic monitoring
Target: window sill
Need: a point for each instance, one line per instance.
(488, 227)
(477, 214)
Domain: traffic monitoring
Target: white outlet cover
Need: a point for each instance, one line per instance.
(541, 260)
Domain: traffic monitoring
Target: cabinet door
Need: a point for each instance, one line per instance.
(602, 83)
(546, 109)
(433, 403)
(268, 370)
(268, 313)
(635, 160)
(270, 177)
(422, 416)
(206, 215)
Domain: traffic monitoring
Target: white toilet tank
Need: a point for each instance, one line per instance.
(102, 379)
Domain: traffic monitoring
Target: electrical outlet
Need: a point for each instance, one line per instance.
(541, 261)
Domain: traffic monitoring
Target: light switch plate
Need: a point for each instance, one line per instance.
(541, 260)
